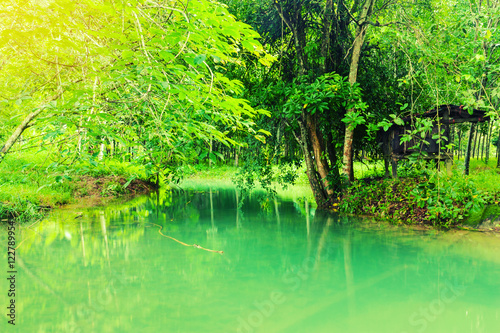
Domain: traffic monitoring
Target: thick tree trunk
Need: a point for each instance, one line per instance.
(317, 187)
(353, 74)
(318, 149)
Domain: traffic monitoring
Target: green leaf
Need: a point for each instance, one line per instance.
(399, 121)
(199, 59)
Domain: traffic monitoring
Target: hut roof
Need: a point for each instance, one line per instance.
(457, 114)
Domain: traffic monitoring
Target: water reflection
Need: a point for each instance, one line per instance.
(286, 268)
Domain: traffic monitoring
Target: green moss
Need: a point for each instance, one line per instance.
(490, 212)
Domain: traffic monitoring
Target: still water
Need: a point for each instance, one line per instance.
(285, 268)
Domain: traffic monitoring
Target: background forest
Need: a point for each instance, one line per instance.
(154, 89)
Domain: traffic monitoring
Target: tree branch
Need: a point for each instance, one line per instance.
(377, 24)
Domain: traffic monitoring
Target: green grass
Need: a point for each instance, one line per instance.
(32, 178)
(27, 185)
(31, 183)
(485, 176)
(204, 172)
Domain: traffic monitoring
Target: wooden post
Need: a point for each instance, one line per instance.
(394, 164)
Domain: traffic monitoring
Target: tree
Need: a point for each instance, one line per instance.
(313, 41)
(149, 75)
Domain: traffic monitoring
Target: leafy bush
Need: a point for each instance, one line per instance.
(449, 200)
(438, 200)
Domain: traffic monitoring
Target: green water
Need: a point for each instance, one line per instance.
(285, 268)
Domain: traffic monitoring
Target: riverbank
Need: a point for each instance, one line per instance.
(428, 197)
(441, 202)
(31, 188)
(418, 197)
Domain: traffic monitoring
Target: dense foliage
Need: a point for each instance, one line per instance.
(141, 78)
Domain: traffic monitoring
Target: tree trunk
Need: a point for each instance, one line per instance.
(498, 150)
(318, 148)
(488, 143)
(468, 150)
(476, 134)
(24, 125)
(295, 22)
(210, 154)
(17, 133)
(317, 187)
(459, 134)
(326, 42)
(482, 147)
(353, 73)
(236, 157)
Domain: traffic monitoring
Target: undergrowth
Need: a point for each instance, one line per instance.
(425, 195)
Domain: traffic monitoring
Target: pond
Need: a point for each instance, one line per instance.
(285, 267)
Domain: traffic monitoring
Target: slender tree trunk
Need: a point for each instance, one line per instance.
(297, 25)
(236, 156)
(498, 150)
(482, 146)
(468, 150)
(17, 133)
(101, 150)
(459, 134)
(474, 143)
(326, 42)
(24, 125)
(210, 154)
(353, 73)
(488, 143)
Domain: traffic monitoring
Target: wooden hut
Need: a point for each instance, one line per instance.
(430, 146)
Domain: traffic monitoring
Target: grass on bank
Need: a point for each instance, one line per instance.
(30, 184)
